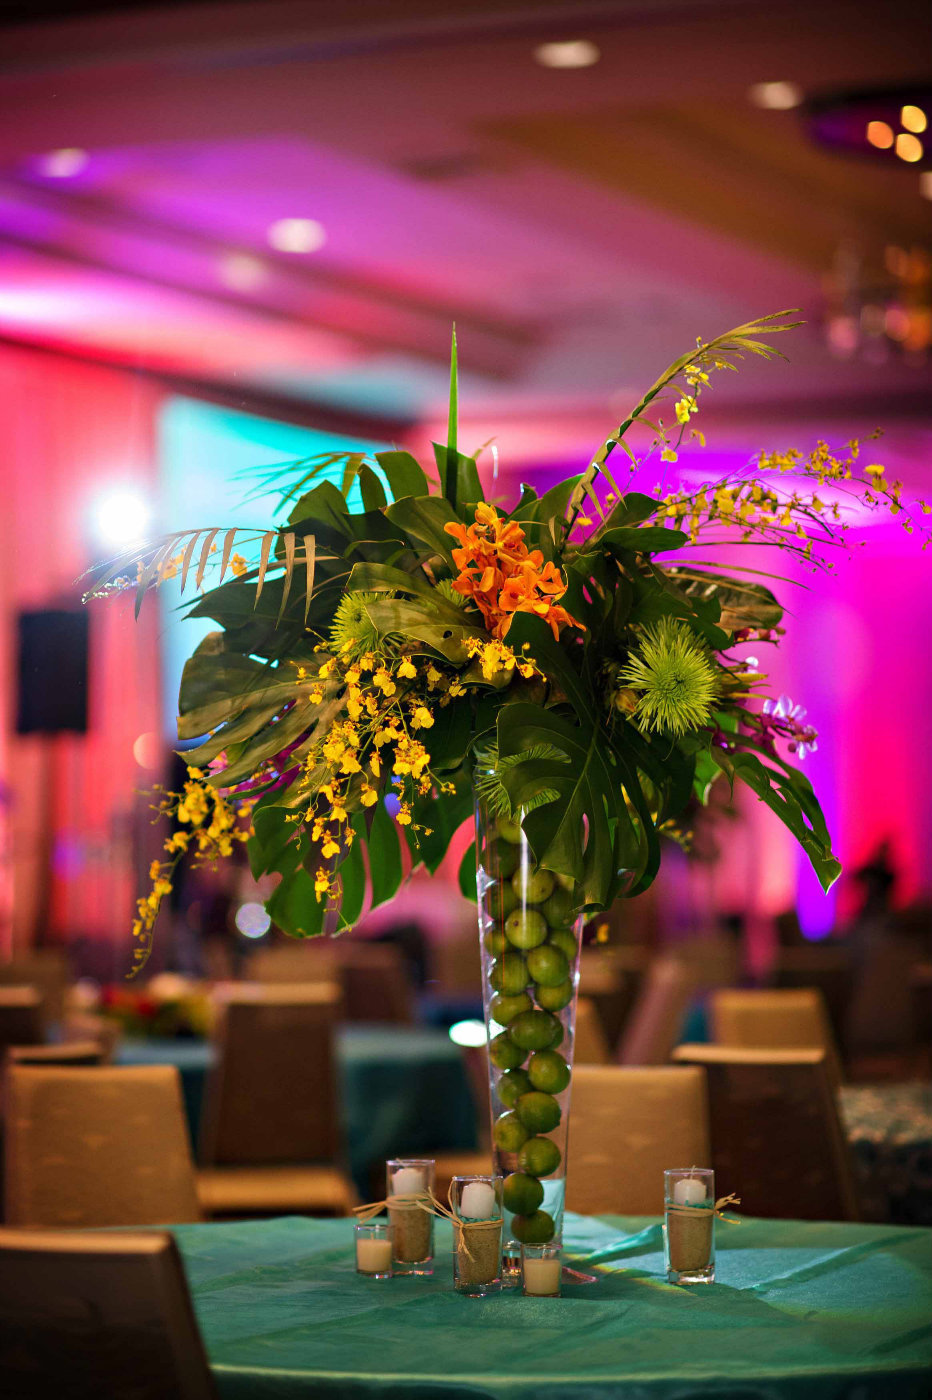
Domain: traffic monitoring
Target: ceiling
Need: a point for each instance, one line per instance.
(580, 226)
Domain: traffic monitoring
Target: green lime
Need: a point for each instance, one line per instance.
(548, 1071)
(509, 830)
(504, 858)
(536, 1228)
(495, 941)
(525, 928)
(505, 1009)
(558, 909)
(509, 1133)
(547, 965)
(522, 1194)
(540, 1113)
(539, 1156)
(509, 974)
(512, 1085)
(533, 1030)
(532, 886)
(565, 940)
(559, 1033)
(503, 1052)
(501, 899)
(555, 998)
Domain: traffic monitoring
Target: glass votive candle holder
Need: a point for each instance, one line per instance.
(689, 1225)
(374, 1248)
(477, 1245)
(411, 1178)
(540, 1270)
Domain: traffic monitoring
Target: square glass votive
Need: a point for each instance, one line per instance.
(541, 1268)
(374, 1248)
(413, 1228)
(689, 1225)
(477, 1251)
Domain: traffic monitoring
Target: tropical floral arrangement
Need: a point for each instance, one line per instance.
(399, 643)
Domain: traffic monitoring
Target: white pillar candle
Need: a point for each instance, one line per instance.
(689, 1191)
(373, 1256)
(542, 1277)
(406, 1181)
(477, 1201)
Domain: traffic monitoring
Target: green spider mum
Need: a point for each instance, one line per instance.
(675, 677)
(353, 631)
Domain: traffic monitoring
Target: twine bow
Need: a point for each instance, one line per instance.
(427, 1201)
(716, 1209)
(407, 1200)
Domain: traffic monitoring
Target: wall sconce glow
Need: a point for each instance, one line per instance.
(252, 920)
(908, 147)
(776, 97)
(241, 272)
(880, 134)
(120, 518)
(913, 118)
(63, 164)
(470, 1033)
(570, 53)
(296, 235)
(925, 184)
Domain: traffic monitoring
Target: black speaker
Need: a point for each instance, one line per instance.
(52, 672)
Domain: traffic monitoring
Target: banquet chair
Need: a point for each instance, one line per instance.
(375, 981)
(270, 1137)
(590, 1046)
(91, 1147)
(629, 1125)
(659, 1013)
(827, 967)
(45, 969)
(20, 1017)
(782, 1018)
(76, 1053)
(98, 1317)
(294, 960)
(777, 1139)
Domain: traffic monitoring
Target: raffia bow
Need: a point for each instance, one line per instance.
(716, 1209)
(427, 1201)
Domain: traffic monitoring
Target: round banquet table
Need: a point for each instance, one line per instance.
(889, 1127)
(404, 1091)
(800, 1311)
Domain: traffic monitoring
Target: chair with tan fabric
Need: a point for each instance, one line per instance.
(47, 970)
(88, 1316)
(375, 981)
(89, 1147)
(20, 1017)
(270, 1137)
(659, 1014)
(629, 1125)
(777, 1140)
(74, 1053)
(782, 1018)
(824, 966)
(84, 1026)
(295, 960)
(590, 1046)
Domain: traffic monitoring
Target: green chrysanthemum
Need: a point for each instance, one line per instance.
(675, 678)
(353, 632)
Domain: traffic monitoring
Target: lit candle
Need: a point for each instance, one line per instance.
(477, 1201)
(373, 1256)
(542, 1277)
(407, 1181)
(689, 1192)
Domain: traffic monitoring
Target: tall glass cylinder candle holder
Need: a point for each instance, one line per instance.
(689, 1225)
(541, 1270)
(374, 1248)
(477, 1234)
(410, 1180)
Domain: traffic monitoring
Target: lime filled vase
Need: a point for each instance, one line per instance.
(529, 935)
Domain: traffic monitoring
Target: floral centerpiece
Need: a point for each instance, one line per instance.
(400, 647)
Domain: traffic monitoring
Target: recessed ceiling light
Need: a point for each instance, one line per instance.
(880, 134)
(569, 53)
(908, 147)
(913, 118)
(776, 97)
(241, 272)
(925, 184)
(296, 235)
(63, 164)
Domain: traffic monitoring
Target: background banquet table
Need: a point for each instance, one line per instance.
(801, 1311)
(404, 1090)
(889, 1127)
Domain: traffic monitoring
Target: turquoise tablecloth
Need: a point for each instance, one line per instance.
(404, 1091)
(801, 1311)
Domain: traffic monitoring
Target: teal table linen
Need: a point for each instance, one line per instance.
(404, 1091)
(800, 1311)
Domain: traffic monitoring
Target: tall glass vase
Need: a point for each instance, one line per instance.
(529, 936)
